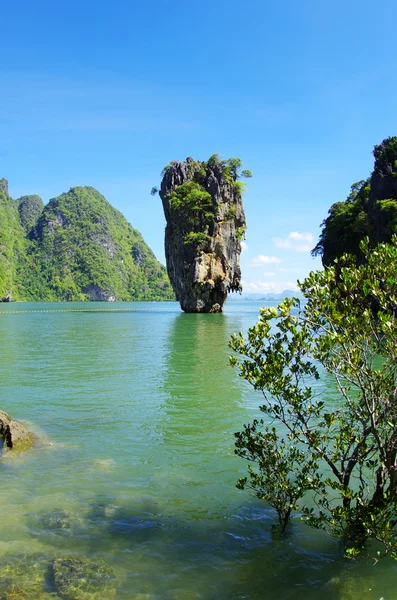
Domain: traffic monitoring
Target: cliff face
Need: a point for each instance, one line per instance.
(205, 224)
(382, 202)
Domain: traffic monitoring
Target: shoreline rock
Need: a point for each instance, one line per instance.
(13, 434)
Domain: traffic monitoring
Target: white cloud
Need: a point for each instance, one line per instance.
(261, 259)
(268, 274)
(291, 270)
(299, 242)
(268, 287)
(244, 247)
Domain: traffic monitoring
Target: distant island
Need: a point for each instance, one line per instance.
(77, 247)
(268, 297)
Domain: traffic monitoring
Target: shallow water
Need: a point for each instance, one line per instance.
(136, 410)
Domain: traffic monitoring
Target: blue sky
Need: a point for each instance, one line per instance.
(107, 93)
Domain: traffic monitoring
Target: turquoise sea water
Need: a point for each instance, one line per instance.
(135, 411)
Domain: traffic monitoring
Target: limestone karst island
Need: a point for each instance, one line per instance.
(203, 208)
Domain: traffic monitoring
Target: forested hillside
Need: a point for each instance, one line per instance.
(77, 247)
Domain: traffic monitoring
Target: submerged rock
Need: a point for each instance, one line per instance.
(13, 434)
(24, 577)
(80, 578)
(58, 522)
(202, 204)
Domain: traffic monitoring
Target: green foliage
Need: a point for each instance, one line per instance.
(13, 246)
(386, 154)
(231, 212)
(240, 187)
(335, 460)
(346, 225)
(195, 210)
(30, 208)
(196, 239)
(230, 168)
(240, 233)
(369, 210)
(78, 241)
(388, 215)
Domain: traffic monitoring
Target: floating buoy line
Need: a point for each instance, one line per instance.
(79, 310)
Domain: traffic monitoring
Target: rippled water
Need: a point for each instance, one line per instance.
(136, 411)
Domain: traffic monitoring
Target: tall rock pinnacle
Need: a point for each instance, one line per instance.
(203, 208)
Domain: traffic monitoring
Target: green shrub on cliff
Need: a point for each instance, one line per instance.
(193, 202)
(369, 210)
(347, 224)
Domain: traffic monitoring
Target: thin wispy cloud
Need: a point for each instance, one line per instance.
(244, 247)
(268, 274)
(261, 259)
(296, 241)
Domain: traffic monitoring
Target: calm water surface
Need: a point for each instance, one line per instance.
(136, 413)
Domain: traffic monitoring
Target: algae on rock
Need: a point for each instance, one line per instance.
(13, 434)
(80, 578)
(202, 204)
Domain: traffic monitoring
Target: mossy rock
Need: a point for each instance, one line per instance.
(13, 434)
(24, 577)
(80, 578)
(28, 593)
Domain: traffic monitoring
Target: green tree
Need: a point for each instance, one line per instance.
(346, 225)
(335, 460)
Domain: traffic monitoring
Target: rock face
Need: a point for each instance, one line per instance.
(203, 208)
(4, 185)
(382, 202)
(14, 434)
(96, 294)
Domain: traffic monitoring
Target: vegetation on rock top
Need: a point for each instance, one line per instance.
(192, 199)
(369, 210)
